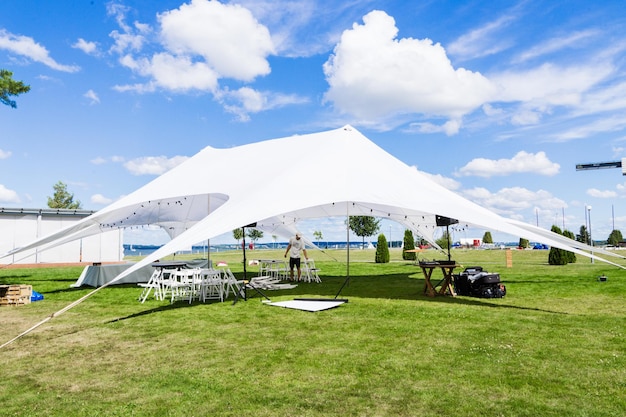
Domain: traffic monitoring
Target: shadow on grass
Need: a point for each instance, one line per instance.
(391, 286)
(168, 307)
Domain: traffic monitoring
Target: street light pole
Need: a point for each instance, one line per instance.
(589, 228)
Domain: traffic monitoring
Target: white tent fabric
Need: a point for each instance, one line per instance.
(278, 182)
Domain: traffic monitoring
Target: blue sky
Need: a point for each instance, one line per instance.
(498, 101)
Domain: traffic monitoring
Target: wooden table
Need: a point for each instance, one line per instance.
(415, 251)
(445, 285)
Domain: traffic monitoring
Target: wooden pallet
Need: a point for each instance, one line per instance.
(15, 295)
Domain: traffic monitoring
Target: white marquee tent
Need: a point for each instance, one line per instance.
(276, 183)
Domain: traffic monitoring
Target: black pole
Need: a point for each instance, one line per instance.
(448, 236)
(347, 280)
(245, 275)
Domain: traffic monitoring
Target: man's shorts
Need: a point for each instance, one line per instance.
(294, 262)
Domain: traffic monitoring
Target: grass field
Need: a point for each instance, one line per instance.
(554, 346)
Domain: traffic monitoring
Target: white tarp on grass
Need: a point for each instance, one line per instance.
(308, 304)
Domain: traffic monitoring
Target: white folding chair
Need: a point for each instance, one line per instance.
(231, 284)
(153, 285)
(182, 284)
(311, 271)
(211, 285)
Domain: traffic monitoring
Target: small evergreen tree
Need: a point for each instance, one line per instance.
(557, 256)
(615, 238)
(443, 241)
(523, 243)
(571, 256)
(487, 237)
(583, 235)
(409, 244)
(382, 251)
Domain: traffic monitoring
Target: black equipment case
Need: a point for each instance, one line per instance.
(476, 282)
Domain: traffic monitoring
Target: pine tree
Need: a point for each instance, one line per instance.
(409, 244)
(10, 87)
(615, 238)
(557, 256)
(571, 256)
(62, 198)
(382, 251)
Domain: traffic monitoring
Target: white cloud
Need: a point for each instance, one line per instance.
(510, 201)
(549, 84)
(153, 165)
(599, 125)
(231, 41)
(571, 40)
(594, 192)
(374, 75)
(176, 73)
(446, 182)
(100, 199)
(8, 196)
(248, 100)
(5, 154)
(98, 161)
(90, 48)
(92, 96)
(621, 189)
(204, 41)
(522, 162)
(451, 127)
(27, 47)
(118, 11)
(483, 41)
(125, 42)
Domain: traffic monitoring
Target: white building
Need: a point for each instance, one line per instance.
(19, 226)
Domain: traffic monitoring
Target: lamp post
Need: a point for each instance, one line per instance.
(589, 230)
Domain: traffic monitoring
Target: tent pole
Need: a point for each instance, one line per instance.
(347, 280)
(348, 241)
(245, 275)
(448, 236)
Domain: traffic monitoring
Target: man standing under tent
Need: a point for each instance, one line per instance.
(296, 244)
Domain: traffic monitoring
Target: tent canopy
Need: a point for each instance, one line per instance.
(278, 182)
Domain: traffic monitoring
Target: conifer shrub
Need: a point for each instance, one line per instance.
(523, 243)
(557, 256)
(382, 251)
(409, 244)
(571, 256)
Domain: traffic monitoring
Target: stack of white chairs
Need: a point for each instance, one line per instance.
(183, 284)
(211, 285)
(310, 272)
(273, 269)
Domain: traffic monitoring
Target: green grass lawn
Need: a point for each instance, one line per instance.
(554, 346)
